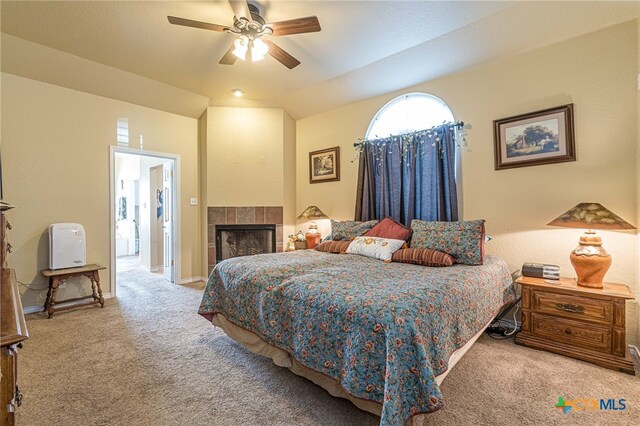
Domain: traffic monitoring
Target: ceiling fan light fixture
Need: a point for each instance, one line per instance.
(258, 50)
(241, 45)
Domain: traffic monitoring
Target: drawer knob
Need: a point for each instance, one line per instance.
(569, 307)
(568, 331)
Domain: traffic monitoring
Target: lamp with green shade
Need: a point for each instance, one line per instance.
(312, 213)
(590, 260)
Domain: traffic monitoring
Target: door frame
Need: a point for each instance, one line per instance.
(175, 247)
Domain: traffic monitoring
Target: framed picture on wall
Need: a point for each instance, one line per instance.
(540, 137)
(324, 165)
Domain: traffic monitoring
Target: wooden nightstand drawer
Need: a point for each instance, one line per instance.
(572, 332)
(575, 307)
(580, 322)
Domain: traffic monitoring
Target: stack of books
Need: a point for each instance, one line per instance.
(541, 270)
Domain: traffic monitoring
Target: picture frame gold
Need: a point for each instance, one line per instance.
(324, 165)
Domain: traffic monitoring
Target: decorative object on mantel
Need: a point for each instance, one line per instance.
(312, 236)
(297, 242)
(324, 165)
(540, 137)
(590, 260)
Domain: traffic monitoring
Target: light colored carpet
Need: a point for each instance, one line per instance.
(149, 359)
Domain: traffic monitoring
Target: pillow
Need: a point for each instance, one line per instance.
(333, 246)
(378, 248)
(422, 256)
(348, 229)
(389, 228)
(462, 240)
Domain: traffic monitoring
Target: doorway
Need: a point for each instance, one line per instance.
(144, 214)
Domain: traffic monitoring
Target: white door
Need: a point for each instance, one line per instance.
(167, 227)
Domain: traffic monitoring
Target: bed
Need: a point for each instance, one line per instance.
(382, 335)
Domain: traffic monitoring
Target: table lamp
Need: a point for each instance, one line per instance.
(590, 260)
(312, 213)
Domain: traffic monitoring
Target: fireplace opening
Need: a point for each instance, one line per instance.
(244, 240)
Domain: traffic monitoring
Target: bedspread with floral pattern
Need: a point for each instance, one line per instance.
(382, 330)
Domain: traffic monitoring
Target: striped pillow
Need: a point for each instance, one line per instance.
(333, 246)
(422, 256)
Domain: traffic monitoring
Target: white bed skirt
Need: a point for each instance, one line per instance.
(255, 344)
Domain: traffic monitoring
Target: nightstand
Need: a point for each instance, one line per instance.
(578, 322)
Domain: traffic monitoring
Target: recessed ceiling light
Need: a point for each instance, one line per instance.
(238, 93)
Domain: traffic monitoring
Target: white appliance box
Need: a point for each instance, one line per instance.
(67, 246)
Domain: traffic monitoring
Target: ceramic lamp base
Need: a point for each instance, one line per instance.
(590, 269)
(313, 239)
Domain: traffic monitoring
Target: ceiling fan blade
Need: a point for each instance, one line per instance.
(229, 58)
(310, 24)
(196, 24)
(281, 56)
(241, 9)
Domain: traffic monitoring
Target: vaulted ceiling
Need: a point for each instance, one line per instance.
(365, 48)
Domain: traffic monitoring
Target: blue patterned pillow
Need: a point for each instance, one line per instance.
(462, 240)
(348, 229)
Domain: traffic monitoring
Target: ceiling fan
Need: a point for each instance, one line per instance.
(250, 27)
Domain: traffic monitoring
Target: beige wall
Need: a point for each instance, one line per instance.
(245, 156)
(597, 73)
(55, 151)
(250, 159)
(289, 175)
(638, 173)
(202, 161)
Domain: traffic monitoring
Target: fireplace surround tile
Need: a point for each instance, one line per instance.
(259, 215)
(217, 215)
(211, 255)
(231, 216)
(245, 215)
(273, 215)
(242, 215)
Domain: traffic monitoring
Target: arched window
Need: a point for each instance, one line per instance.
(407, 113)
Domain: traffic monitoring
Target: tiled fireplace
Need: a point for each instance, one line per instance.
(238, 216)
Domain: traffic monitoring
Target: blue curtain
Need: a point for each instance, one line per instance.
(408, 177)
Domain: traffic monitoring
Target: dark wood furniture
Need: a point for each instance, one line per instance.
(579, 322)
(59, 276)
(13, 331)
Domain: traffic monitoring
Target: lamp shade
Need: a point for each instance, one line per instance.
(590, 216)
(312, 213)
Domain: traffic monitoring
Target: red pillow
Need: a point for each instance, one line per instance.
(422, 256)
(389, 228)
(333, 246)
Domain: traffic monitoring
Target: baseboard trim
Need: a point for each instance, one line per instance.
(40, 308)
(192, 280)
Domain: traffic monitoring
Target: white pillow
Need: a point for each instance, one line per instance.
(378, 248)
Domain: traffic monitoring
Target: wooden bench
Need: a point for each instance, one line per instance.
(59, 276)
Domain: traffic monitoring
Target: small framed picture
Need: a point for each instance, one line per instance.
(324, 165)
(541, 137)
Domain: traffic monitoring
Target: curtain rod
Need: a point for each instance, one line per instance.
(457, 124)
